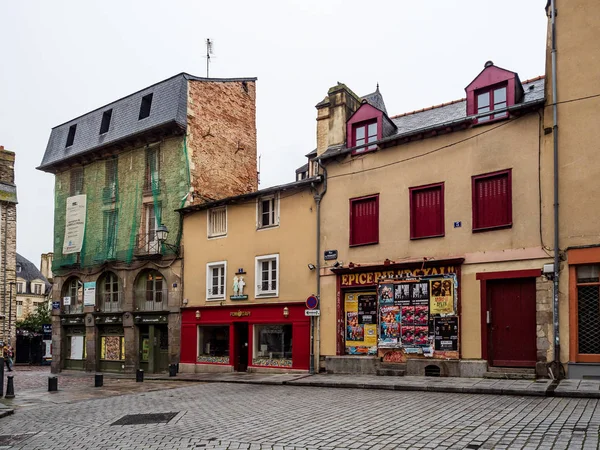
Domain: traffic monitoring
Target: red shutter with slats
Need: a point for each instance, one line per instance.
(492, 200)
(364, 220)
(427, 211)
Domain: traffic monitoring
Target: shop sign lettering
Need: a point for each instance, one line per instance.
(367, 278)
(240, 314)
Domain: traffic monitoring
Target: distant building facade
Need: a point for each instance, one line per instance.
(121, 171)
(32, 289)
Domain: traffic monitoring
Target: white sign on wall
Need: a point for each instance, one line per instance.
(89, 293)
(67, 301)
(74, 224)
(76, 347)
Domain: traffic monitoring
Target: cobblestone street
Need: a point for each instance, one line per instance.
(222, 415)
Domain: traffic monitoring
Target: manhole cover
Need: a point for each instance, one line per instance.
(473, 445)
(143, 419)
(12, 439)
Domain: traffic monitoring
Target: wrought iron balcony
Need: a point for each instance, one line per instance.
(147, 244)
(73, 309)
(151, 300)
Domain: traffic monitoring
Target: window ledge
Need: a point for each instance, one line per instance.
(495, 227)
(267, 295)
(215, 299)
(364, 152)
(267, 227)
(217, 236)
(477, 123)
(363, 244)
(427, 237)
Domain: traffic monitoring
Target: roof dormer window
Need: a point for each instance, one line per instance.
(490, 100)
(364, 133)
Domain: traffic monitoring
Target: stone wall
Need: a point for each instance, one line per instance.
(545, 323)
(222, 138)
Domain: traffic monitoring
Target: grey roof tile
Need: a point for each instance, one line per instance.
(30, 272)
(376, 99)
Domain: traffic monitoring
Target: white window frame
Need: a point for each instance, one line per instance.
(275, 199)
(212, 235)
(209, 267)
(258, 292)
(20, 287)
(37, 287)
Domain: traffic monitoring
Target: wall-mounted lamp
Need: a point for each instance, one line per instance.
(338, 264)
(197, 314)
(185, 301)
(311, 267)
(286, 312)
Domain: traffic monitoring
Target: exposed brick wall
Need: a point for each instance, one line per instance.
(7, 166)
(222, 138)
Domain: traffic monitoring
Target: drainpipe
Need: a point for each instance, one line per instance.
(556, 234)
(318, 197)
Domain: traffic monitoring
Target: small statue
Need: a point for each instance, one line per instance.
(235, 285)
(241, 284)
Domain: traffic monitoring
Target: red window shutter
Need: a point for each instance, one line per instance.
(427, 211)
(364, 221)
(492, 202)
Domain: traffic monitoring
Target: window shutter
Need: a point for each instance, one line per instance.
(364, 217)
(427, 213)
(492, 201)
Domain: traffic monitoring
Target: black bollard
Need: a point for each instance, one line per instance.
(10, 387)
(177, 365)
(52, 384)
(172, 370)
(98, 380)
(1, 375)
(139, 376)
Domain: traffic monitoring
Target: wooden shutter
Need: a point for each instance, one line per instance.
(427, 211)
(364, 220)
(492, 200)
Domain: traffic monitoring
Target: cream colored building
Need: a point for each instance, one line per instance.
(448, 194)
(249, 269)
(32, 288)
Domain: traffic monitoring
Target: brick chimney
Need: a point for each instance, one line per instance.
(332, 115)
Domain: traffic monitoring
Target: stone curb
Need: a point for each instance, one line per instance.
(6, 412)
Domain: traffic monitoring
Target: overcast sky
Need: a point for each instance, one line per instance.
(60, 59)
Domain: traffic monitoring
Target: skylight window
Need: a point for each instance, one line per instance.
(71, 136)
(145, 106)
(106, 116)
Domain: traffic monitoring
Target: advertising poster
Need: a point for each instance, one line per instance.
(76, 347)
(442, 296)
(75, 224)
(386, 294)
(361, 323)
(89, 293)
(408, 335)
(446, 333)
(402, 293)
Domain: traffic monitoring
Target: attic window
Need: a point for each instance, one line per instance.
(71, 136)
(489, 100)
(18, 268)
(145, 106)
(106, 116)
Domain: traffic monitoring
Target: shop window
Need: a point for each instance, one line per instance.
(217, 221)
(364, 220)
(273, 345)
(216, 274)
(427, 211)
(268, 211)
(588, 309)
(267, 276)
(112, 348)
(76, 347)
(213, 344)
(489, 100)
(364, 133)
(492, 200)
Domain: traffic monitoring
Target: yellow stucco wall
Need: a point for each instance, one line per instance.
(512, 145)
(293, 240)
(578, 64)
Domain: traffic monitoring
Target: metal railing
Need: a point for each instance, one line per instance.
(147, 244)
(151, 300)
(110, 302)
(73, 309)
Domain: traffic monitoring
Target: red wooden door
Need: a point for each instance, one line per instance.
(512, 329)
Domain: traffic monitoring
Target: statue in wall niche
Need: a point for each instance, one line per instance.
(236, 285)
(241, 284)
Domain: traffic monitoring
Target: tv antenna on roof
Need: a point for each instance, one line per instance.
(209, 51)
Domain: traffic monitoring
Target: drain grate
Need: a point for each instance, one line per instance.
(145, 419)
(12, 439)
(473, 445)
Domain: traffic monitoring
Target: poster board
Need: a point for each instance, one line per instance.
(76, 347)
(446, 334)
(74, 224)
(89, 293)
(361, 323)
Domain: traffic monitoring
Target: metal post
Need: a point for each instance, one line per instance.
(52, 384)
(139, 376)
(10, 387)
(98, 380)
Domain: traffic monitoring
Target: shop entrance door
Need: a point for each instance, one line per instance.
(154, 348)
(241, 346)
(512, 328)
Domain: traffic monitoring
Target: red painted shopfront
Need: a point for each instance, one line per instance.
(243, 337)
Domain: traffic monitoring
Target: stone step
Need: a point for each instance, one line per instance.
(510, 375)
(391, 372)
(512, 370)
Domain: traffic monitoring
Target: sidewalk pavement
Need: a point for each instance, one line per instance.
(541, 388)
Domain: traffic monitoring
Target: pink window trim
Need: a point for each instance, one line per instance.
(474, 180)
(490, 90)
(413, 230)
(365, 114)
(375, 239)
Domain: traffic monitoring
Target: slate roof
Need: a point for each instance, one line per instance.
(447, 113)
(302, 169)
(30, 272)
(169, 106)
(376, 99)
(8, 192)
